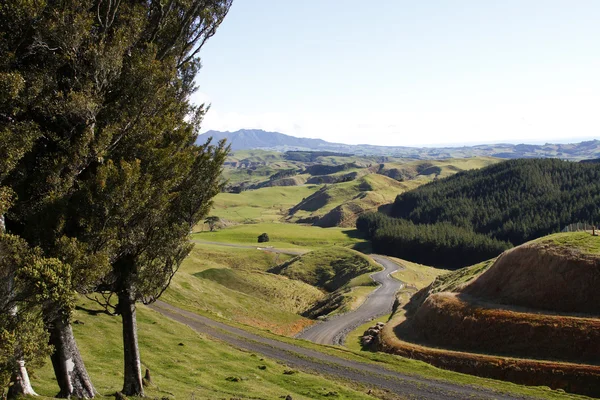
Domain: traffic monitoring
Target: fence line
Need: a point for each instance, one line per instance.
(578, 227)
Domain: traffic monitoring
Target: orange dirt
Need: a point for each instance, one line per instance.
(544, 277)
(455, 321)
(574, 378)
(531, 318)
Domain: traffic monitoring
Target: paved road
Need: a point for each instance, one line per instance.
(366, 374)
(379, 303)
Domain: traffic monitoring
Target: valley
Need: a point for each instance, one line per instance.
(300, 303)
(148, 252)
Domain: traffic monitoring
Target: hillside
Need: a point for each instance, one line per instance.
(475, 215)
(342, 273)
(246, 139)
(516, 200)
(537, 302)
(321, 188)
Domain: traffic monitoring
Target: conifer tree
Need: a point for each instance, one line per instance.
(100, 90)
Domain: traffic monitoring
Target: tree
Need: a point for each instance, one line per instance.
(212, 222)
(263, 237)
(95, 78)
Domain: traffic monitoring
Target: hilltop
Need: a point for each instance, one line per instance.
(537, 302)
(247, 139)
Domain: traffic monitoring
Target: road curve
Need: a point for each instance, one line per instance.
(334, 330)
(378, 303)
(366, 374)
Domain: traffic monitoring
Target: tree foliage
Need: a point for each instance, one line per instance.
(102, 179)
(474, 215)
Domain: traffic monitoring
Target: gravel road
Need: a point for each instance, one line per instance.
(366, 374)
(377, 304)
(335, 330)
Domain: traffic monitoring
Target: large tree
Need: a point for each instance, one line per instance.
(102, 87)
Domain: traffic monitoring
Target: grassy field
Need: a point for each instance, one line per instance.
(284, 235)
(260, 205)
(185, 364)
(330, 268)
(232, 284)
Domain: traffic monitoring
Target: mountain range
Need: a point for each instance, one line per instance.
(246, 139)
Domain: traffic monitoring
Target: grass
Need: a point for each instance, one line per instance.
(261, 205)
(330, 268)
(419, 368)
(452, 281)
(342, 272)
(581, 241)
(284, 235)
(232, 284)
(185, 364)
(353, 338)
(416, 275)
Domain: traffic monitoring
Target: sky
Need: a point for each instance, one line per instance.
(407, 73)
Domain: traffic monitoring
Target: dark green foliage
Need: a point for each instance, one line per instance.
(312, 156)
(322, 169)
(440, 244)
(100, 175)
(513, 201)
(263, 238)
(285, 173)
(474, 215)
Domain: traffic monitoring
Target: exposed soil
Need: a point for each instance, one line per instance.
(459, 322)
(543, 277)
(537, 303)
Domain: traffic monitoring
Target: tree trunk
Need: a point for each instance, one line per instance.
(20, 383)
(70, 372)
(132, 382)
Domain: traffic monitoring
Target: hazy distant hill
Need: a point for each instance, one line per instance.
(246, 139)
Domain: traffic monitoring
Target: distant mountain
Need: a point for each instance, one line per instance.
(246, 139)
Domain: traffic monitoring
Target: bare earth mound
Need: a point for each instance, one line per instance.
(542, 276)
(537, 305)
(458, 322)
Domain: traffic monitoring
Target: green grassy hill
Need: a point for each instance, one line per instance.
(232, 284)
(184, 364)
(328, 190)
(329, 268)
(342, 272)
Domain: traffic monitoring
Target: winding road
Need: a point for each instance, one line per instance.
(377, 304)
(333, 331)
(374, 375)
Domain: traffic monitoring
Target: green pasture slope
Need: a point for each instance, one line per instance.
(184, 364)
(283, 235)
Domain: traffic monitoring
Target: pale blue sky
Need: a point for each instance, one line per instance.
(407, 72)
